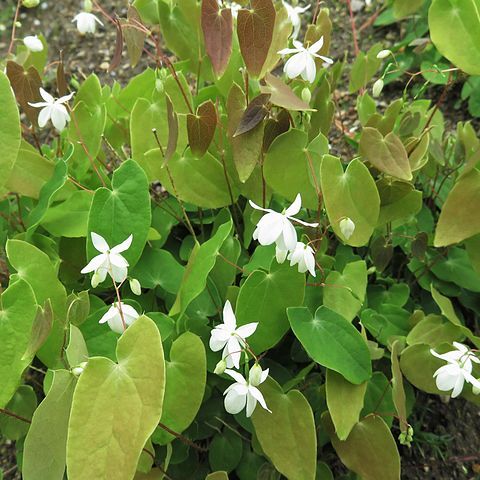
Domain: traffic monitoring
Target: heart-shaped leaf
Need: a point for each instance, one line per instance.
(290, 424)
(386, 154)
(116, 407)
(201, 128)
(332, 341)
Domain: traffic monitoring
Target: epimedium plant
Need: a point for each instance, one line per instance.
(204, 287)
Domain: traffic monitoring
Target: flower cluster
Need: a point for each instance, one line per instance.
(232, 339)
(278, 228)
(111, 262)
(457, 371)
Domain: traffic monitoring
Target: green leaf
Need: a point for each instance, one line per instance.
(389, 321)
(10, 133)
(47, 193)
(344, 292)
(398, 392)
(386, 154)
(344, 401)
(200, 181)
(434, 330)
(332, 341)
(23, 404)
(352, 194)
(18, 309)
(225, 451)
(124, 210)
(403, 8)
(364, 68)
(69, 218)
(186, 374)
(459, 217)
(201, 261)
(264, 298)
(35, 267)
(44, 455)
(370, 450)
(292, 165)
(217, 476)
(280, 433)
(455, 32)
(116, 406)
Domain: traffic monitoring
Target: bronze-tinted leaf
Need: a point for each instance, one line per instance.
(381, 252)
(419, 245)
(247, 147)
(62, 86)
(117, 56)
(282, 95)
(386, 154)
(201, 128)
(172, 119)
(217, 26)
(322, 28)
(26, 86)
(255, 32)
(255, 112)
(134, 37)
(275, 127)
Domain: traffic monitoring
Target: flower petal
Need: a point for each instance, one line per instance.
(269, 228)
(229, 317)
(238, 377)
(44, 116)
(234, 402)
(257, 394)
(315, 47)
(94, 264)
(59, 117)
(99, 243)
(295, 207)
(251, 404)
(121, 247)
(289, 235)
(46, 96)
(246, 330)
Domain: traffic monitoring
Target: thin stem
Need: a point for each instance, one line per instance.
(354, 28)
(119, 303)
(182, 438)
(14, 27)
(14, 415)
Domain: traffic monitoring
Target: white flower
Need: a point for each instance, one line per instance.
(280, 254)
(377, 88)
(294, 17)
(303, 62)
(457, 371)
(109, 261)
(230, 338)
(243, 393)
(304, 256)
(277, 228)
(86, 22)
(33, 43)
(347, 227)
(234, 7)
(114, 317)
(52, 109)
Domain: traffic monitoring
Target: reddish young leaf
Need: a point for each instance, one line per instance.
(26, 86)
(62, 86)
(255, 32)
(282, 95)
(274, 127)
(217, 26)
(201, 128)
(117, 56)
(256, 111)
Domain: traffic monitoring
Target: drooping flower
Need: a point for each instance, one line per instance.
(52, 109)
(243, 393)
(230, 338)
(457, 371)
(113, 317)
(86, 22)
(303, 256)
(280, 254)
(347, 227)
(109, 261)
(277, 227)
(377, 88)
(294, 15)
(383, 54)
(303, 62)
(33, 43)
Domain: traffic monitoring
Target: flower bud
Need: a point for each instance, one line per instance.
(135, 286)
(383, 54)
(220, 367)
(255, 375)
(18, 24)
(78, 370)
(476, 390)
(347, 227)
(377, 88)
(95, 280)
(30, 3)
(306, 95)
(87, 5)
